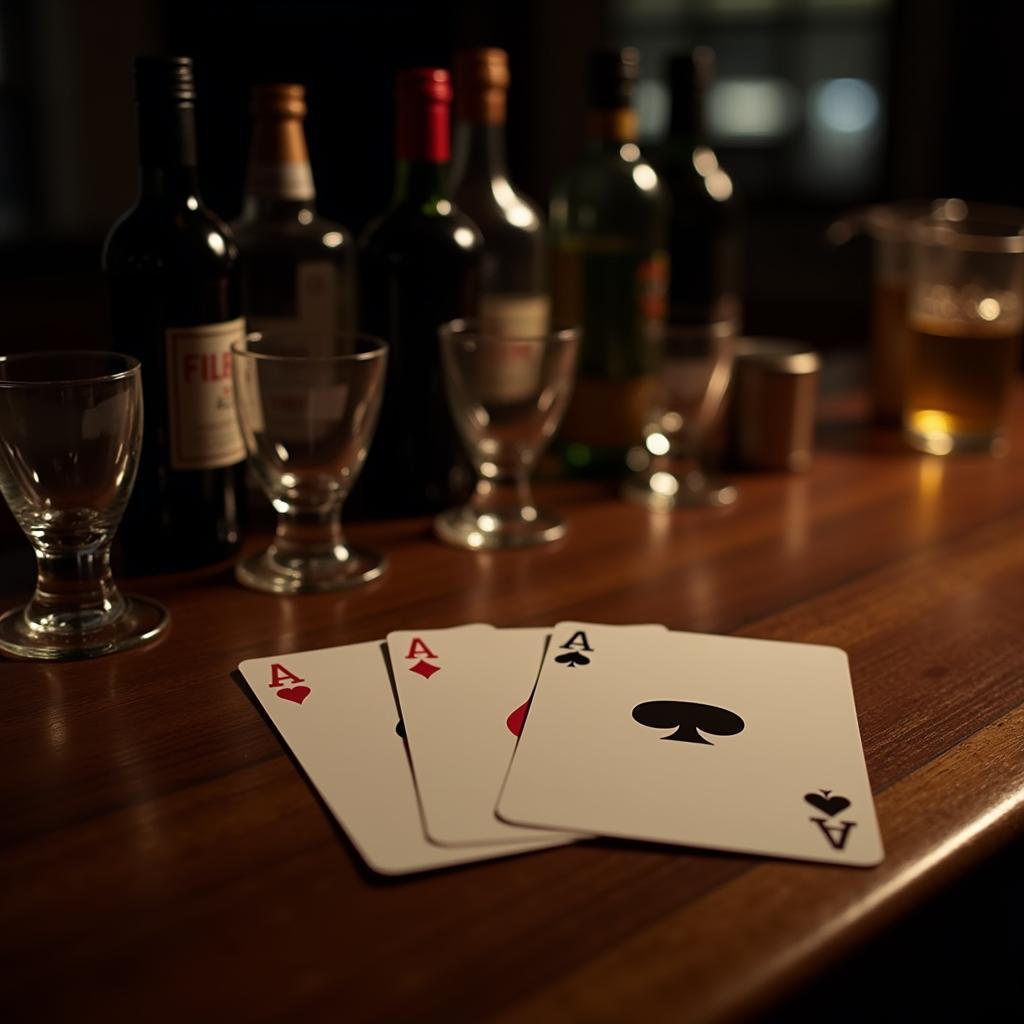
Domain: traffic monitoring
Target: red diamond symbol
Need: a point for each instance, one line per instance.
(425, 669)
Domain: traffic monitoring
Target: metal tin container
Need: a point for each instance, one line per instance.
(771, 405)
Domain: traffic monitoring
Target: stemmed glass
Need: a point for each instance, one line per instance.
(308, 405)
(696, 366)
(507, 396)
(70, 436)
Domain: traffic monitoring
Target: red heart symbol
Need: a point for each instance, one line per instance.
(295, 693)
(517, 718)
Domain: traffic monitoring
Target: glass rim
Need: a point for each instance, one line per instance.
(132, 366)
(470, 328)
(723, 330)
(379, 349)
(894, 222)
(993, 230)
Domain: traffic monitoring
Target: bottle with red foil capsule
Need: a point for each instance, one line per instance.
(419, 267)
(172, 275)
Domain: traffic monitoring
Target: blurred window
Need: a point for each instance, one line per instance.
(798, 104)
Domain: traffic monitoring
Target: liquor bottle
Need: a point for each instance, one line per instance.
(703, 241)
(298, 269)
(172, 276)
(513, 287)
(419, 267)
(609, 224)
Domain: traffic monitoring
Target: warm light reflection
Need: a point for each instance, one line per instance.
(216, 242)
(935, 430)
(645, 178)
(989, 309)
(464, 237)
(657, 444)
(718, 185)
(444, 207)
(192, 203)
(332, 239)
(305, 216)
(664, 484)
(630, 152)
(704, 161)
(516, 210)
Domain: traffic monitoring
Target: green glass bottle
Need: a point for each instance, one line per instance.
(609, 229)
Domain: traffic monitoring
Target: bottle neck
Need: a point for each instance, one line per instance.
(609, 129)
(479, 152)
(167, 151)
(686, 122)
(279, 180)
(420, 182)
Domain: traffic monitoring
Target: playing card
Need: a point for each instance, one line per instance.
(336, 711)
(463, 694)
(723, 742)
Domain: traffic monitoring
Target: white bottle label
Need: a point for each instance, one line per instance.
(281, 180)
(515, 316)
(511, 372)
(204, 431)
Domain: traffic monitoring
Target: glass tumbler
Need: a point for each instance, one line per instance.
(507, 396)
(70, 436)
(965, 314)
(308, 404)
(696, 367)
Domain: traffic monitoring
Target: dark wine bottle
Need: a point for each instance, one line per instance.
(298, 269)
(172, 276)
(419, 267)
(703, 244)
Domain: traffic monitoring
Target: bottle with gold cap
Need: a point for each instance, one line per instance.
(298, 269)
(514, 293)
(609, 231)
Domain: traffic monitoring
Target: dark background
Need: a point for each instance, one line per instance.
(924, 95)
(822, 105)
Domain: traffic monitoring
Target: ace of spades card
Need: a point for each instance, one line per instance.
(710, 741)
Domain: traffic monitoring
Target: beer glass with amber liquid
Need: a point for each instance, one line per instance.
(965, 317)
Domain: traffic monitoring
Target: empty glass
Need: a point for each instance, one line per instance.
(696, 365)
(70, 435)
(307, 405)
(507, 396)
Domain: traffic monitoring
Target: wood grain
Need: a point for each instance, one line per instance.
(161, 856)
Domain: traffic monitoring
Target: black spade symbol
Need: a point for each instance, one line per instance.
(686, 718)
(826, 804)
(572, 659)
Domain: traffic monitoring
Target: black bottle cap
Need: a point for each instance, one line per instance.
(164, 79)
(612, 78)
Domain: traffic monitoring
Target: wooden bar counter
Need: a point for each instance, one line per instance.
(161, 857)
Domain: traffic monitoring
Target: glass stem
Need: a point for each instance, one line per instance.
(75, 591)
(505, 495)
(303, 534)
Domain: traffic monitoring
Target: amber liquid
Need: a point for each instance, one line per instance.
(888, 359)
(959, 379)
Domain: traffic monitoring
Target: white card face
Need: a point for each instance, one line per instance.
(712, 741)
(463, 694)
(336, 711)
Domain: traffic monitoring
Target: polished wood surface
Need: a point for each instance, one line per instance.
(162, 859)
